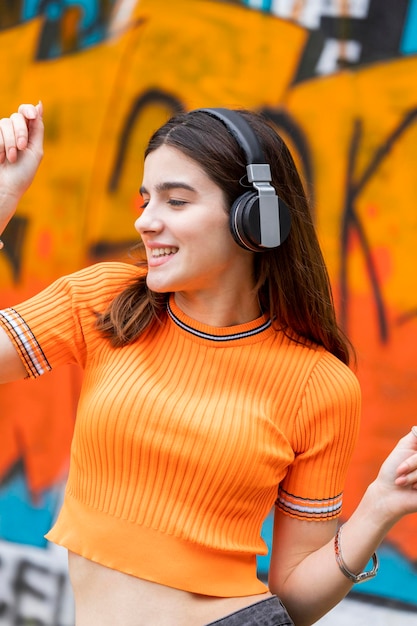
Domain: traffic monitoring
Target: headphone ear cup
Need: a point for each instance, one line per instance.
(245, 221)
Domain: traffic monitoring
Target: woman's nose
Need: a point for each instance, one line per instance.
(148, 221)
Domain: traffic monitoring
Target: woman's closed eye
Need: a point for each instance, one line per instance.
(177, 203)
(174, 202)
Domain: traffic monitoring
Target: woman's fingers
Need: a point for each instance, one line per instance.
(29, 111)
(13, 136)
(20, 130)
(407, 470)
(36, 129)
(14, 131)
(8, 148)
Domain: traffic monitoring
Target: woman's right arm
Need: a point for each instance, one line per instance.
(21, 151)
(11, 367)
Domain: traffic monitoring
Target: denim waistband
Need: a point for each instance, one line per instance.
(269, 612)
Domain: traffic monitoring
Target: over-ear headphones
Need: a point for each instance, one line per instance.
(259, 220)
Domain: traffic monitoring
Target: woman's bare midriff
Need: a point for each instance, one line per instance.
(108, 597)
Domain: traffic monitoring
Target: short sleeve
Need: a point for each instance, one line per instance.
(57, 326)
(325, 435)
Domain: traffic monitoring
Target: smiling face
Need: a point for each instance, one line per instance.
(185, 229)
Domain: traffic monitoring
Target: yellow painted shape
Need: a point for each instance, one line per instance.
(379, 97)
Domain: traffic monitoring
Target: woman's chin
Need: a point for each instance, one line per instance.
(158, 286)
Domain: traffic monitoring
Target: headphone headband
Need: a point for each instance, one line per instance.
(241, 131)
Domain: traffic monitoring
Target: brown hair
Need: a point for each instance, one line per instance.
(292, 280)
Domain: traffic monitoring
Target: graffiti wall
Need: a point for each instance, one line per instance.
(338, 80)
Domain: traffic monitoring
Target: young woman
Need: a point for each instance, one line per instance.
(216, 383)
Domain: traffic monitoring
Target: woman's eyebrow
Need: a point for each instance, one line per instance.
(168, 185)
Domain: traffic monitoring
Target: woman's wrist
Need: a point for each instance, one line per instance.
(8, 206)
(375, 503)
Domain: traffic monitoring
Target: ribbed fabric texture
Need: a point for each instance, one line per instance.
(184, 439)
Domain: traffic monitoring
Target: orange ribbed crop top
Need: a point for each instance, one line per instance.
(184, 439)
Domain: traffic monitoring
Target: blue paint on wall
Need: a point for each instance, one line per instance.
(53, 9)
(409, 40)
(396, 578)
(91, 27)
(262, 5)
(22, 520)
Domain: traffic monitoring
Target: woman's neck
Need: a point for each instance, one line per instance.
(220, 312)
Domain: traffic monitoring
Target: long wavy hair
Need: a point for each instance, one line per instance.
(292, 280)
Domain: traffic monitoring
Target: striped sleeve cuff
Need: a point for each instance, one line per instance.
(25, 343)
(305, 509)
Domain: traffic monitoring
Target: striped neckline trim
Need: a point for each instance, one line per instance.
(218, 334)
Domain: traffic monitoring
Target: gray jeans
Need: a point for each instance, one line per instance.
(269, 612)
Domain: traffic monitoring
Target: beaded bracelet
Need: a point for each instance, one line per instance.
(355, 578)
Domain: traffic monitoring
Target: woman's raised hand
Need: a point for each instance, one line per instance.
(397, 479)
(21, 151)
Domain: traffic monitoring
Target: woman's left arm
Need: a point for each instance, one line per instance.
(304, 572)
